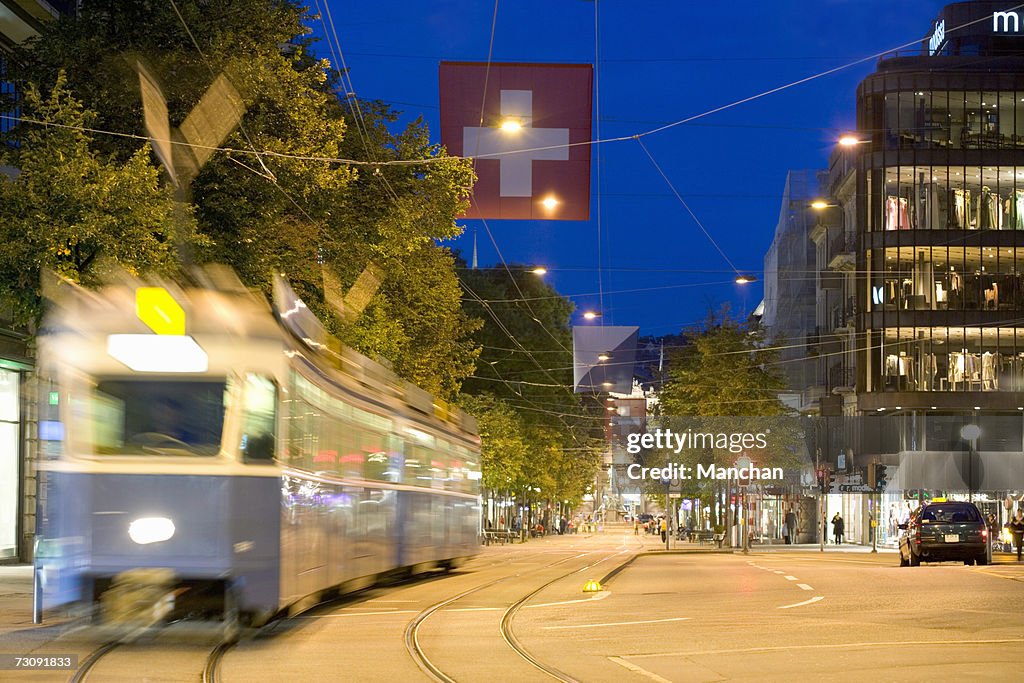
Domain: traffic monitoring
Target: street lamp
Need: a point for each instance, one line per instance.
(540, 270)
(970, 434)
(849, 140)
(590, 315)
(745, 279)
(549, 203)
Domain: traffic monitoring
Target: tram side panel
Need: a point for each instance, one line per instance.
(255, 532)
(63, 537)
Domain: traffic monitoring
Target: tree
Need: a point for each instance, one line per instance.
(504, 450)
(724, 381)
(271, 200)
(76, 211)
(724, 370)
(526, 360)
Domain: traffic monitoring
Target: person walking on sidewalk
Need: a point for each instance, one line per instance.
(790, 527)
(1017, 530)
(837, 528)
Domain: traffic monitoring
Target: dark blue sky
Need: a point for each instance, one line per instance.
(660, 61)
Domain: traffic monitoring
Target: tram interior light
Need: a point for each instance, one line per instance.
(158, 352)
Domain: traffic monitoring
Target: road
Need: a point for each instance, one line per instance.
(682, 616)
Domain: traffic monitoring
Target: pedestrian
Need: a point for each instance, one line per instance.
(791, 526)
(837, 528)
(1017, 530)
(636, 526)
(664, 529)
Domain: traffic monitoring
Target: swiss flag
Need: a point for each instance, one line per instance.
(532, 147)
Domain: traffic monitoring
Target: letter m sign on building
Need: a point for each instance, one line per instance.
(528, 135)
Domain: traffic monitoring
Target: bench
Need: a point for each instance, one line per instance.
(502, 536)
(703, 537)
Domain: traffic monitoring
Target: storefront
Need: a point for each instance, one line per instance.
(12, 459)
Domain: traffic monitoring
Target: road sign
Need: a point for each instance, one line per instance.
(855, 488)
(675, 495)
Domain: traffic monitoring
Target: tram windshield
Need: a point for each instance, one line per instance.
(158, 417)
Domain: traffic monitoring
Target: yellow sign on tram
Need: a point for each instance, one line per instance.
(158, 309)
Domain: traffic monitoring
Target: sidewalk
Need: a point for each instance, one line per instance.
(18, 635)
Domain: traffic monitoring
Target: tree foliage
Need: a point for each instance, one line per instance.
(76, 211)
(724, 370)
(526, 363)
(286, 208)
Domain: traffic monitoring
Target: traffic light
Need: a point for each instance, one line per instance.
(830, 484)
(880, 481)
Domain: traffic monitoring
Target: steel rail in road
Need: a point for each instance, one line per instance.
(209, 674)
(415, 648)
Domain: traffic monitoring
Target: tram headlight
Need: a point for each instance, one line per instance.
(150, 530)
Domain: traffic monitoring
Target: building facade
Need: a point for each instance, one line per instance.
(788, 316)
(20, 20)
(939, 213)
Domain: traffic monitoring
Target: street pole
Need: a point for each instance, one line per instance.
(668, 514)
(970, 471)
(824, 524)
(874, 522)
(745, 541)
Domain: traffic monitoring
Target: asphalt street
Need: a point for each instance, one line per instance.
(692, 615)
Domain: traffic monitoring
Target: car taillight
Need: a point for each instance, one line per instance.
(984, 533)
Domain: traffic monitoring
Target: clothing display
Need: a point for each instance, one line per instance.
(897, 215)
(961, 370)
(952, 290)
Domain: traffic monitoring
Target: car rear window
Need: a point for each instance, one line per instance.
(950, 513)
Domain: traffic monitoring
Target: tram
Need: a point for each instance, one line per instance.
(203, 453)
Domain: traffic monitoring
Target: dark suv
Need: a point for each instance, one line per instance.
(944, 531)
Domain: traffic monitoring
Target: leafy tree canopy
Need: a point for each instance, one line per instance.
(77, 211)
(286, 208)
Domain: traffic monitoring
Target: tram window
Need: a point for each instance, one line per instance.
(157, 417)
(259, 422)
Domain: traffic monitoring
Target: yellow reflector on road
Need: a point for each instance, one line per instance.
(591, 587)
(158, 309)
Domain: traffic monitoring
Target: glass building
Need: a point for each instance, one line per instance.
(941, 201)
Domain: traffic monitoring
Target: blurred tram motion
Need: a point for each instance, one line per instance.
(202, 454)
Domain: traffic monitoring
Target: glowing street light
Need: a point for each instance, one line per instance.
(745, 279)
(511, 125)
(849, 141)
(603, 357)
(590, 315)
(540, 270)
(549, 203)
(820, 204)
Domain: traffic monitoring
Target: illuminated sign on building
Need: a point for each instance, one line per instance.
(938, 38)
(1002, 21)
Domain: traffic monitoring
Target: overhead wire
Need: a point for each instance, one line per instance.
(622, 138)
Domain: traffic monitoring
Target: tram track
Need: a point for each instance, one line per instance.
(416, 649)
(102, 657)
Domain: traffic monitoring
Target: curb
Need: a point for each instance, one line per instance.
(614, 572)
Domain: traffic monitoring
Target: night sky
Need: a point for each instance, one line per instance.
(660, 61)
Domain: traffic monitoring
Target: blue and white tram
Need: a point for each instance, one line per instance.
(217, 457)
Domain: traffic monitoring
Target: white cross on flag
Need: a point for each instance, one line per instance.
(529, 140)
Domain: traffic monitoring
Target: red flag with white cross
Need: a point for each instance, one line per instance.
(528, 134)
